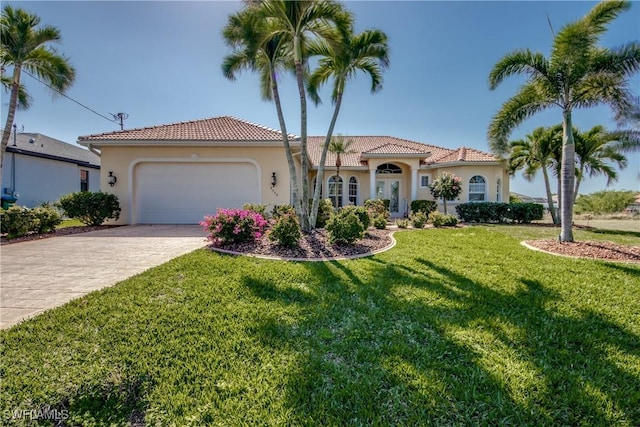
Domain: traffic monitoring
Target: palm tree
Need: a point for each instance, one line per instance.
(595, 150)
(297, 22)
(245, 33)
(535, 153)
(367, 52)
(25, 47)
(338, 147)
(577, 74)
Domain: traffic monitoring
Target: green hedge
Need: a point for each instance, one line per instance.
(424, 206)
(487, 212)
(19, 221)
(90, 208)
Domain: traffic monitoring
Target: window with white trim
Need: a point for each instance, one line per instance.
(499, 190)
(477, 189)
(353, 190)
(335, 190)
(84, 180)
(424, 181)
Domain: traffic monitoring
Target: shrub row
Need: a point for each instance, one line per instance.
(19, 221)
(488, 212)
(424, 206)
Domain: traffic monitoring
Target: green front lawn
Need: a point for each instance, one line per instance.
(451, 327)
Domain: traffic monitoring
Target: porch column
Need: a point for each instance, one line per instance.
(372, 184)
(414, 184)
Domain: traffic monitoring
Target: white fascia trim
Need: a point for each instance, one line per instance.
(180, 143)
(449, 164)
(395, 156)
(193, 159)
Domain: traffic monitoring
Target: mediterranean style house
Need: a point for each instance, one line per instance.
(38, 169)
(180, 172)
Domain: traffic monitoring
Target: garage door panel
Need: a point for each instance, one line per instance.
(183, 193)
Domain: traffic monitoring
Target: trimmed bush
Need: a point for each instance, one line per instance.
(418, 219)
(361, 212)
(257, 208)
(234, 226)
(425, 206)
(90, 208)
(380, 222)
(492, 212)
(439, 219)
(402, 223)
(344, 227)
(17, 221)
(377, 207)
(279, 210)
(47, 218)
(286, 230)
(325, 210)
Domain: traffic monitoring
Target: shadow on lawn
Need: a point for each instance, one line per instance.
(425, 344)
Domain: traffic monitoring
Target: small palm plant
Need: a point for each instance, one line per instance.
(338, 147)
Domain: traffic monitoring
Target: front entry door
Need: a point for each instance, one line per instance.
(389, 189)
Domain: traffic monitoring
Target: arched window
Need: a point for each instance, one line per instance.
(353, 190)
(477, 189)
(335, 190)
(388, 168)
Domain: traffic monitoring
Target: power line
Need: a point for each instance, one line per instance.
(69, 98)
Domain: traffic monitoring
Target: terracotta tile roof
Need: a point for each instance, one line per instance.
(464, 154)
(224, 128)
(373, 145)
(393, 149)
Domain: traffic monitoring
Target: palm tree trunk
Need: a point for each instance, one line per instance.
(567, 173)
(337, 189)
(304, 155)
(578, 180)
(323, 158)
(293, 176)
(552, 210)
(11, 113)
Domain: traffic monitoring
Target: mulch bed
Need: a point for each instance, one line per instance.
(313, 245)
(589, 249)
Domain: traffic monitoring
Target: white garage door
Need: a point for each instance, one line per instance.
(183, 193)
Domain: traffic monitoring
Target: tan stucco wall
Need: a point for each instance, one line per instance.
(491, 174)
(123, 160)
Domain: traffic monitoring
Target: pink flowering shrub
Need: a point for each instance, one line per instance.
(234, 226)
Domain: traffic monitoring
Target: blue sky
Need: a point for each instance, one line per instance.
(159, 61)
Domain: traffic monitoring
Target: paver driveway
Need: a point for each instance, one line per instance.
(42, 274)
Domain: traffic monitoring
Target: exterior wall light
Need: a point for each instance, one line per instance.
(111, 179)
(274, 180)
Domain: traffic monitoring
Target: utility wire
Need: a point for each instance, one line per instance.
(68, 97)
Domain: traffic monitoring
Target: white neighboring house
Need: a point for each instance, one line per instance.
(39, 169)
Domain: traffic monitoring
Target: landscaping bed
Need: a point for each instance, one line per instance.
(312, 245)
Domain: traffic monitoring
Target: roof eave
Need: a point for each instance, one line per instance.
(180, 143)
(395, 155)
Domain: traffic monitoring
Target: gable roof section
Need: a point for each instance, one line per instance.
(38, 145)
(220, 129)
(464, 154)
(376, 146)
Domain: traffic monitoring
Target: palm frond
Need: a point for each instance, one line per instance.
(518, 62)
(530, 100)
